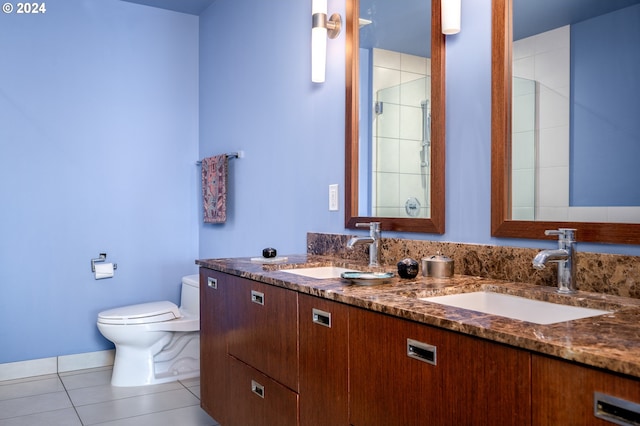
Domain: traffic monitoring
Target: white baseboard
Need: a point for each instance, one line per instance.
(53, 365)
(35, 367)
(85, 360)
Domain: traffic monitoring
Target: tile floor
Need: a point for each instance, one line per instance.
(85, 397)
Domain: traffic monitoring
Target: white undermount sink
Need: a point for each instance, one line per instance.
(320, 272)
(515, 307)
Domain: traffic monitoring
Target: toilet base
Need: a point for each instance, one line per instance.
(174, 357)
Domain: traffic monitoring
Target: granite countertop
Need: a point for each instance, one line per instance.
(610, 341)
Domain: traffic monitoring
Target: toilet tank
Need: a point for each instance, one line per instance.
(190, 295)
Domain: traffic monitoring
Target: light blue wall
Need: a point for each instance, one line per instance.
(98, 139)
(256, 96)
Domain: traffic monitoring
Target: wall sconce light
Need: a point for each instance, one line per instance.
(450, 10)
(320, 29)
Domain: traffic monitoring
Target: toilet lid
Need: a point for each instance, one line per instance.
(143, 313)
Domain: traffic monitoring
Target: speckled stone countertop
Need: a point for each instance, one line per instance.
(610, 341)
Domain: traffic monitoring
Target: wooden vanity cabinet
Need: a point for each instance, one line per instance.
(449, 379)
(324, 361)
(563, 393)
(272, 356)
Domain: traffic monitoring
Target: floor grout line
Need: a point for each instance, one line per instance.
(75, 409)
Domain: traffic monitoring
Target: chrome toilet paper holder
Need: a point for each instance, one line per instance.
(102, 258)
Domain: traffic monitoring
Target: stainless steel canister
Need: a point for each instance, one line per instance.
(437, 266)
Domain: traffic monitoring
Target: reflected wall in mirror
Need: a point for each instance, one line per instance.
(395, 115)
(565, 94)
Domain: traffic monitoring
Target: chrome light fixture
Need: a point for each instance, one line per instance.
(320, 29)
(450, 10)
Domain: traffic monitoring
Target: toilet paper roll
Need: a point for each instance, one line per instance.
(104, 270)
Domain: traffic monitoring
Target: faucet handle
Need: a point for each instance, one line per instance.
(374, 228)
(562, 233)
(368, 225)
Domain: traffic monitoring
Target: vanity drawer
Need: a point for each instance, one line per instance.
(263, 329)
(565, 393)
(422, 375)
(259, 400)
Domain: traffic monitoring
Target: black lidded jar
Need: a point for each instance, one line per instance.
(408, 268)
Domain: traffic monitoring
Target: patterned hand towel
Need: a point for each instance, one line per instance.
(214, 188)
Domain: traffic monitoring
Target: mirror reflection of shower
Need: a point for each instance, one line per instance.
(401, 148)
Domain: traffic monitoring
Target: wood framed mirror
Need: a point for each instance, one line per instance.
(417, 218)
(505, 220)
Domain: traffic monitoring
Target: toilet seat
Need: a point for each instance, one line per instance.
(144, 313)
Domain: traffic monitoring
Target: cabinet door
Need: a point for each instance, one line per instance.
(263, 329)
(213, 344)
(258, 400)
(563, 394)
(507, 384)
(405, 373)
(324, 361)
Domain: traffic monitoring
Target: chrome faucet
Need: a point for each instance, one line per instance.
(373, 240)
(564, 255)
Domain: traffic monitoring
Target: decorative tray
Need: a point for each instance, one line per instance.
(367, 278)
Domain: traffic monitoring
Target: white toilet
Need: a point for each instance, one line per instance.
(155, 342)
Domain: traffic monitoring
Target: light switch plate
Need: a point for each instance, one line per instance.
(333, 197)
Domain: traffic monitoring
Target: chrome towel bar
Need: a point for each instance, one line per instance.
(230, 156)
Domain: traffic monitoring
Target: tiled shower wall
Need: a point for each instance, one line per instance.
(523, 149)
(402, 82)
(545, 60)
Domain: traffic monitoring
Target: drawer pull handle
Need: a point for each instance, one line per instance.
(212, 283)
(421, 351)
(615, 410)
(257, 297)
(257, 388)
(321, 317)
